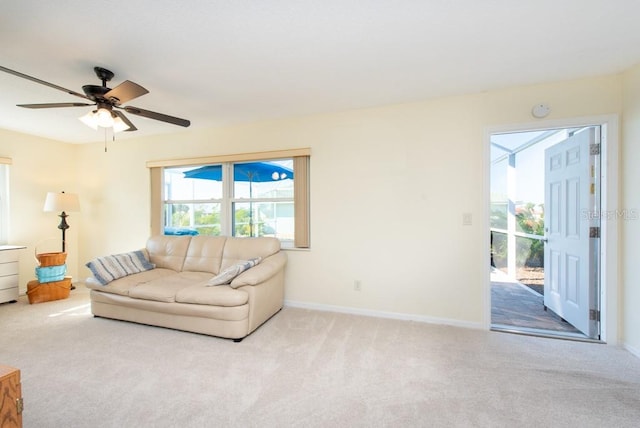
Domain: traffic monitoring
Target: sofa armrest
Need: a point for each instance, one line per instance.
(267, 268)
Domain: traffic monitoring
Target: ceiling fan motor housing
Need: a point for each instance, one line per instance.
(95, 92)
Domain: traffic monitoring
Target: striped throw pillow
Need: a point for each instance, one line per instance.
(109, 268)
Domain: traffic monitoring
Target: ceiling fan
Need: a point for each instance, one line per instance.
(108, 102)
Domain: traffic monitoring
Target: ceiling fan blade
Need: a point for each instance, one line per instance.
(121, 115)
(54, 105)
(124, 92)
(42, 82)
(157, 116)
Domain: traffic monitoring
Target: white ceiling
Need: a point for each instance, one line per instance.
(218, 62)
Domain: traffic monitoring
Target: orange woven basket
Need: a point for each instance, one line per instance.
(51, 259)
(44, 292)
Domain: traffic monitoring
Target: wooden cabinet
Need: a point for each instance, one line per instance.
(10, 397)
(9, 273)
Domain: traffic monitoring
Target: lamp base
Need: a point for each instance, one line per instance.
(63, 226)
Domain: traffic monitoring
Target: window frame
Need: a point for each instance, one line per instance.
(301, 159)
(5, 164)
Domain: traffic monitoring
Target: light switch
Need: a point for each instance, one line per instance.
(467, 219)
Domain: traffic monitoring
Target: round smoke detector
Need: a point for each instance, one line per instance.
(540, 111)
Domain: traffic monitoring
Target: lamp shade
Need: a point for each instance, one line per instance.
(61, 201)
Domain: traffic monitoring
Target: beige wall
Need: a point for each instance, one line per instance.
(39, 166)
(389, 186)
(388, 189)
(630, 162)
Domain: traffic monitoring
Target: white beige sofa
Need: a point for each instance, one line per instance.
(174, 294)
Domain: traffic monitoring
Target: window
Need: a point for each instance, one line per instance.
(245, 195)
(246, 198)
(192, 205)
(4, 200)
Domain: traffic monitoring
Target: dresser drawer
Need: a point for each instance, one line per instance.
(8, 295)
(10, 268)
(8, 256)
(8, 282)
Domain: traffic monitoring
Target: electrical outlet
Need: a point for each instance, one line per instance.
(357, 285)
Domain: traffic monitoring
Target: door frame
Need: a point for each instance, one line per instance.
(609, 231)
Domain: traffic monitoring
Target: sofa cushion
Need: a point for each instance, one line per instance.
(237, 250)
(228, 274)
(216, 296)
(161, 290)
(168, 251)
(204, 254)
(108, 268)
(123, 285)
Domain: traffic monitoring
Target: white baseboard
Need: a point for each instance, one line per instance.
(631, 349)
(383, 314)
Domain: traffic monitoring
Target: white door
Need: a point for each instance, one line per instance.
(570, 255)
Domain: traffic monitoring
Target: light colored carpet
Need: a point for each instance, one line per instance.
(307, 369)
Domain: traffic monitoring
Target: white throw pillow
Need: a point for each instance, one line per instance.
(227, 275)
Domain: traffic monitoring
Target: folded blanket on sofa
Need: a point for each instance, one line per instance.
(108, 268)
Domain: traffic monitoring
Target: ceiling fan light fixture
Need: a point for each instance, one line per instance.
(89, 120)
(104, 118)
(119, 125)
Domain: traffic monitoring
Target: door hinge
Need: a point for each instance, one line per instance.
(594, 315)
(594, 232)
(19, 405)
(594, 149)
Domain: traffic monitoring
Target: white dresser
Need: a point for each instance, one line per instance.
(9, 272)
